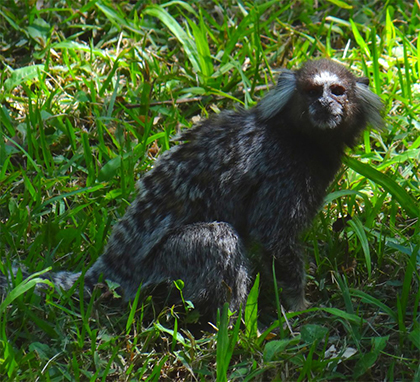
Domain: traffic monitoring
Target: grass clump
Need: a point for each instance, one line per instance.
(92, 93)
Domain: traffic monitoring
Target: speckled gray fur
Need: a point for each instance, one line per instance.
(241, 179)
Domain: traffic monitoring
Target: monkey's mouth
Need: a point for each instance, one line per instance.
(325, 117)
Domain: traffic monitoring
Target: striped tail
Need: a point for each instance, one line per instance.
(61, 280)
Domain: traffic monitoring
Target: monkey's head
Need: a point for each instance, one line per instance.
(322, 96)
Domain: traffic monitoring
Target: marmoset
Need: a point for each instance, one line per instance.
(239, 180)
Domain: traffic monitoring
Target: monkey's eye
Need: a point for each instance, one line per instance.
(314, 91)
(337, 90)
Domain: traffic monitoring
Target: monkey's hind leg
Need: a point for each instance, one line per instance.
(209, 258)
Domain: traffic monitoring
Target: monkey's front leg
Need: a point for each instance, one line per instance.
(289, 267)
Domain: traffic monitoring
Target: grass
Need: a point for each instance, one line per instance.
(92, 93)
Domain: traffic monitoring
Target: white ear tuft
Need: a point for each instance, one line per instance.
(276, 99)
(372, 105)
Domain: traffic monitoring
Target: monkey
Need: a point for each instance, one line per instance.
(233, 196)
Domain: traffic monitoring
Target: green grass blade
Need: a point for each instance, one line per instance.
(251, 310)
(222, 363)
(357, 226)
(403, 197)
(374, 301)
(178, 31)
(20, 75)
(23, 287)
(359, 39)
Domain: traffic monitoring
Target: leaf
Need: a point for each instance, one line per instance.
(119, 20)
(178, 31)
(11, 19)
(339, 194)
(39, 30)
(66, 195)
(341, 4)
(353, 318)
(130, 318)
(109, 170)
(273, 348)
(359, 39)
(203, 50)
(179, 284)
(180, 338)
(72, 45)
(404, 198)
(6, 121)
(245, 27)
(43, 351)
(112, 15)
(361, 234)
(30, 187)
(251, 310)
(367, 360)
(222, 349)
(18, 76)
(414, 337)
(182, 4)
(312, 333)
(389, 29)
(225, 346)
(23, 287)
(374, 301)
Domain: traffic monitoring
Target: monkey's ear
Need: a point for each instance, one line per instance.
(371, 104)
(363, 80)
(274, 102)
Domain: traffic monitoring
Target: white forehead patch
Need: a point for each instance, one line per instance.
(325, 78)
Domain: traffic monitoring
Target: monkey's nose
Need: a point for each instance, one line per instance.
(326, 102)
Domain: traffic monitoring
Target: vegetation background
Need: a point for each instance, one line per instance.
(91, 93)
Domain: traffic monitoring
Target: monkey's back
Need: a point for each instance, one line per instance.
(230, 169)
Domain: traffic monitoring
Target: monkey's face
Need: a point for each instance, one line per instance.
(322, 97)
(326, 97)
